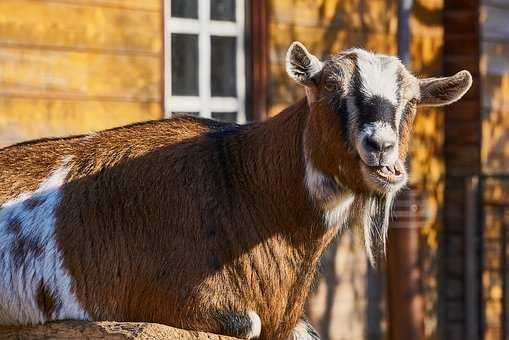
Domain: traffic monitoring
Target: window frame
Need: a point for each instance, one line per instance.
(204, 27)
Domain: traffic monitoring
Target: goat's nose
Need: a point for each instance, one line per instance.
(377, 145)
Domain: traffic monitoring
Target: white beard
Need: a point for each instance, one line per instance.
(372, 212)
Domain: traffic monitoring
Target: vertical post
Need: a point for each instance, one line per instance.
(259, 46)
(406, 305)
(505, 283)
(462, 159)
(165, 14)
(404, 13)
(472, 257)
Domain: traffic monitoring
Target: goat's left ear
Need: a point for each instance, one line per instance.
(444, 91)
(302, 66)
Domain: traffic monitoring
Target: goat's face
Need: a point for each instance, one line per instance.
(371, 100)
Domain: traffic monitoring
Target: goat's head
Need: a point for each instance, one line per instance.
(362, 107)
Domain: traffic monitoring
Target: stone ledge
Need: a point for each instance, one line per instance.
(103, 330)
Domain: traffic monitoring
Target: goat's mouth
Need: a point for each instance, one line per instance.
(390, 173)
(386, 177)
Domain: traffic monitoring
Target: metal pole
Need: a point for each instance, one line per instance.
(404, 13)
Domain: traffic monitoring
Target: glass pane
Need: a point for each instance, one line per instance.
(222, 10)
(184, 64)
(229, 117)
(180, 114)
(223, 66)
(184, 8)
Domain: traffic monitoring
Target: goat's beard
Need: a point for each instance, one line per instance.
(372, 212)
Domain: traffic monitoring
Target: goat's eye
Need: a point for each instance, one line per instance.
(413, 101)
(330, 85)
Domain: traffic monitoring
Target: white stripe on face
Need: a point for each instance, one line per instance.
(379, 75)
(30, 261)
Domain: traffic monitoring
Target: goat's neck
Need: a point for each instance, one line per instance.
(303, 195)
(302, 217)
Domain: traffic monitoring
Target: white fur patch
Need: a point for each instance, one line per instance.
(379, 74)
(314, 179)
(337, 210)
(256, 325)
(303, 331)
(30, 258)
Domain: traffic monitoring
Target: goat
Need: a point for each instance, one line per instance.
(205, 225)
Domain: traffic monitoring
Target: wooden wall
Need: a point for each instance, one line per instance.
(494, 69)
(73, 66)
(494, 97)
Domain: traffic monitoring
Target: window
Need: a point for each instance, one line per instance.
(205, 59)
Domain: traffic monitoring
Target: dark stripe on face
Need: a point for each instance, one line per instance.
(373, 108)
(377, 109)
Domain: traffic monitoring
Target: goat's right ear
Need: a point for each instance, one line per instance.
(302, 66)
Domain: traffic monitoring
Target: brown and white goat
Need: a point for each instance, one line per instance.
(205, 225)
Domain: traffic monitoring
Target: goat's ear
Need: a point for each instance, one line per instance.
(302, 66)
(444, 91)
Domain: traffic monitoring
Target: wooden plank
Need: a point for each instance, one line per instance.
(259, 60)
(494, 23)
(147, 5)
(26, 118)
(497, 3)
(495, 140)
(30, 72)
(322, 41)
(66, 25)
(426, 52)
(495, 93)
(494, 58)
(357, 15)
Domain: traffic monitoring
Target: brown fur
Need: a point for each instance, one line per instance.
(176, 220)
(182, 221)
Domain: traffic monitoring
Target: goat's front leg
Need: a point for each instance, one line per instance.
(304, 331)
(240, 325)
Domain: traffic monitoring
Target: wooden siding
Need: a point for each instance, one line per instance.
(494, 70)
(494, 76)
(70, 67)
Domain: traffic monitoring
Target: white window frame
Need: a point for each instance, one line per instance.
(204, 27)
